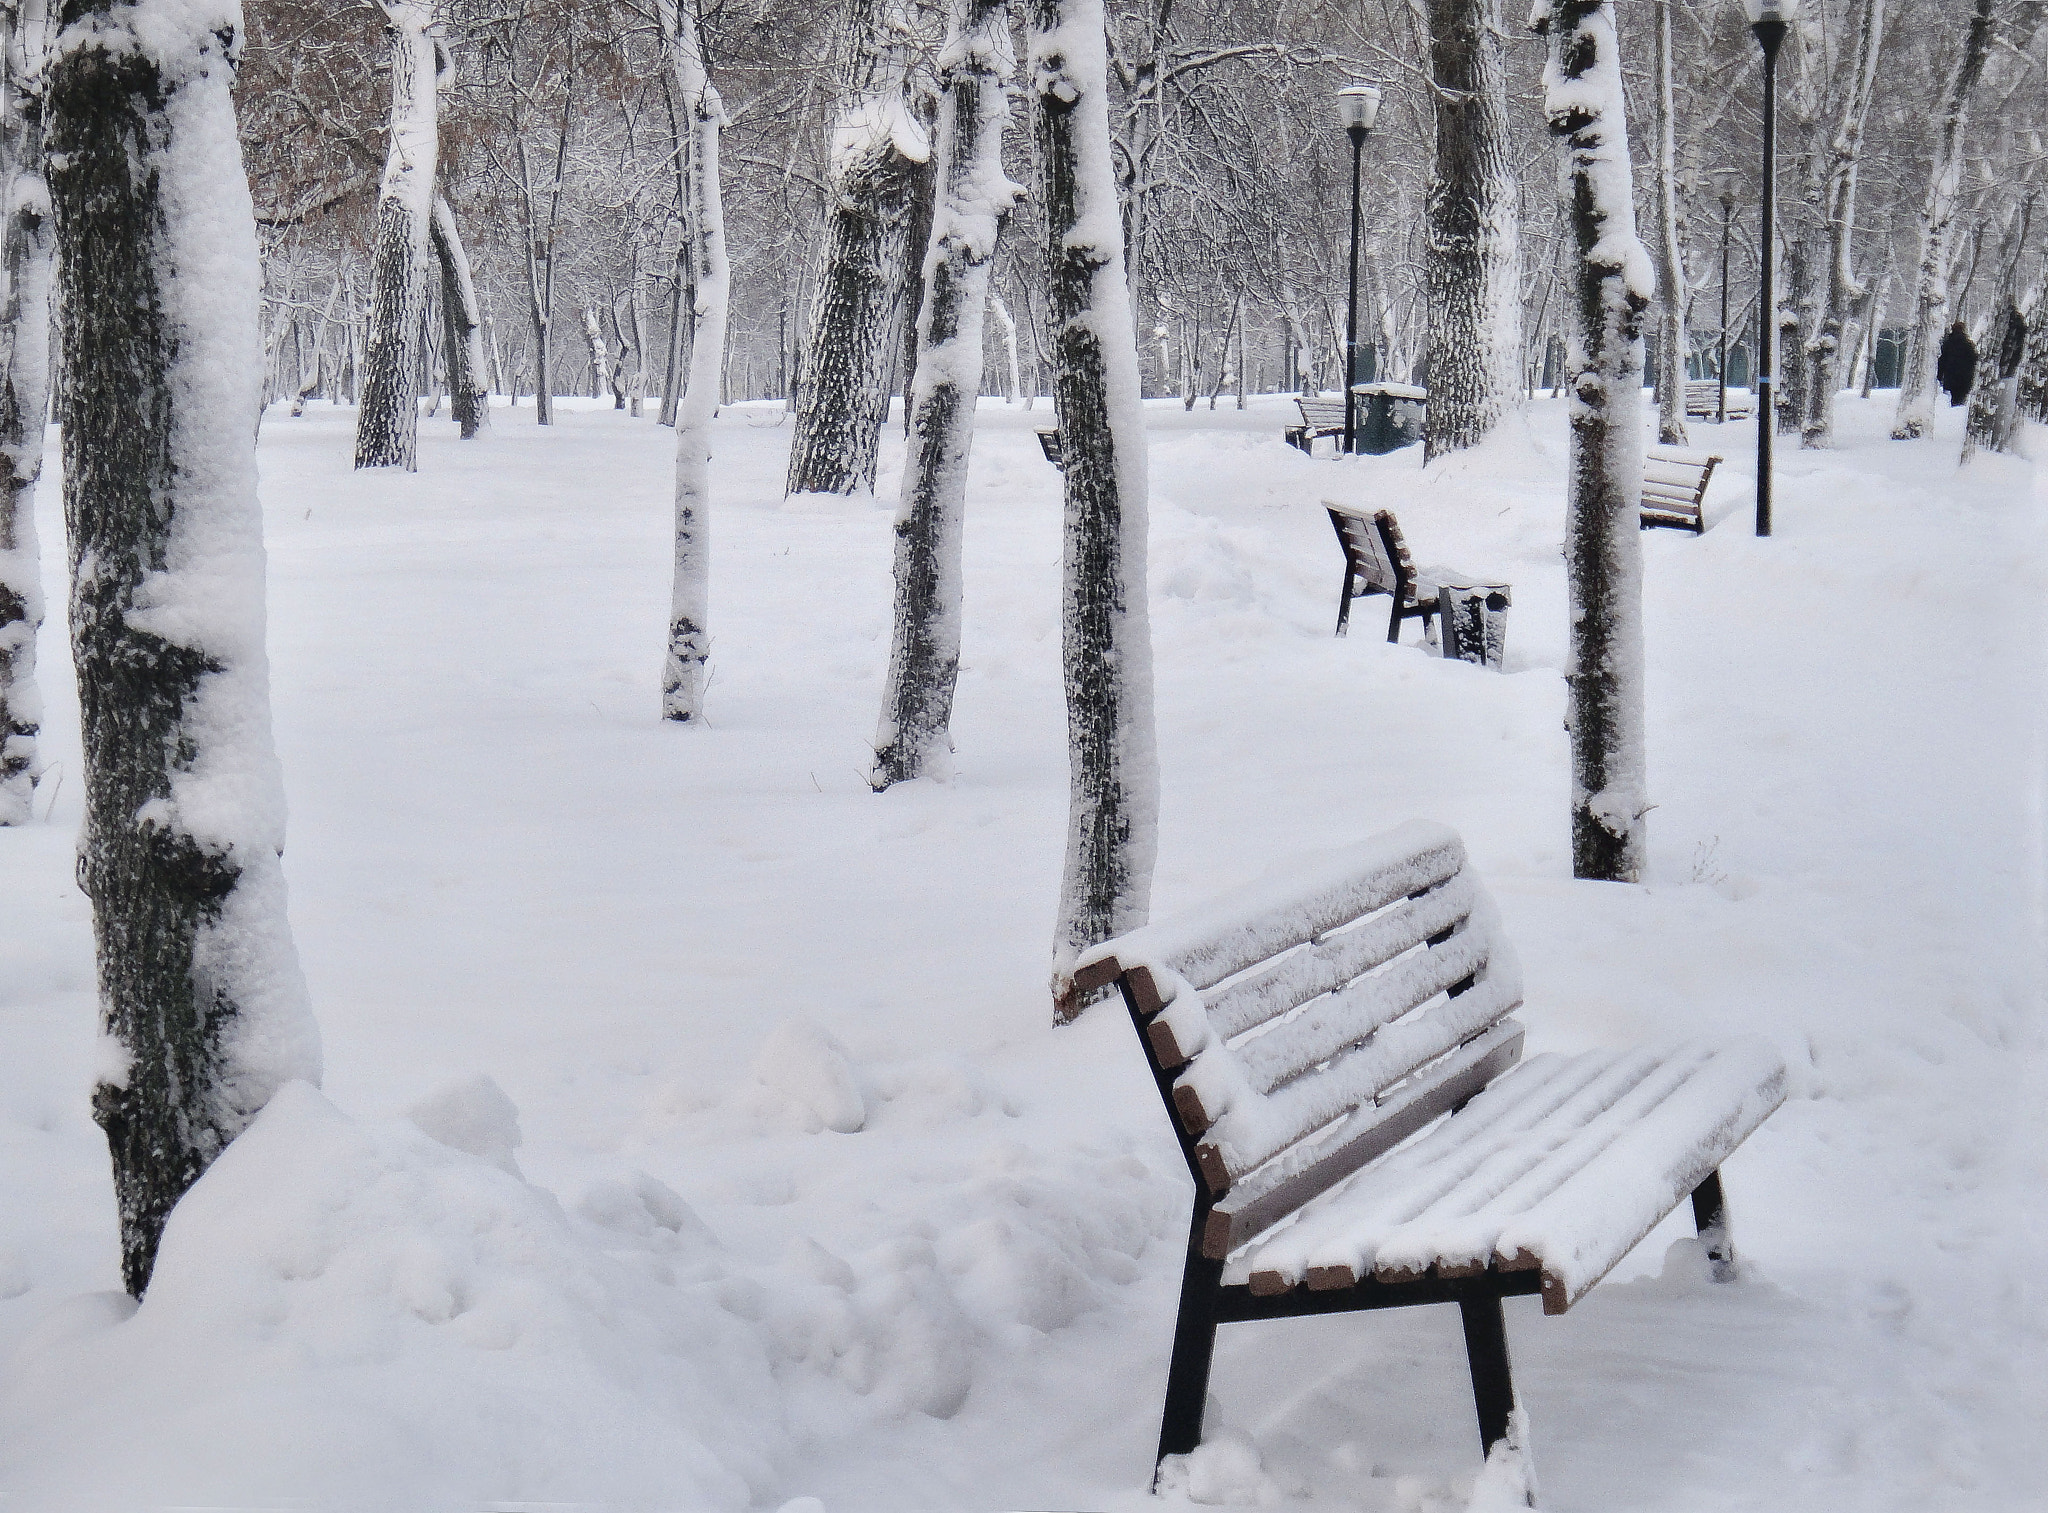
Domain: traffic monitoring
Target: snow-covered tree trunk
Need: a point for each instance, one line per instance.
(1113, 759)
(974, 198)
(1612, 285)
(1672, 286)
(387, 422)
(469, 395)
(1837, 291)
(689, 636)
(2032, 390)
(1472, 269)
(203, 1009)
(1007, 325)
(26, 253)
(1993, 422)
(877, 149)
(1915, 415)
(604, 373)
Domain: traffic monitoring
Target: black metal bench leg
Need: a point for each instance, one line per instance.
(1344, 601)
(1710, 1218)
(1194, 1343)
(1486, 1348)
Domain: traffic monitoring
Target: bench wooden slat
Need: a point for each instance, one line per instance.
(1336, 959)
(1245, 926)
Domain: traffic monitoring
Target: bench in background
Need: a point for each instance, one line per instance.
(1703, 401)
(1675, 488)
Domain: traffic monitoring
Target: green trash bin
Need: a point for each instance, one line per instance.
(1389, 416)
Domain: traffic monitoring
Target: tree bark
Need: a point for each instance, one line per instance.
(1603, 551)
(974, 198)
(1837, 289)
(689, 637)
(1472, 269)
(877, 151)
(27, 249)
(1113, 759)
(202, 1007)
(1915, 414)
(469, 395)
(1672, 285)
(387, 422)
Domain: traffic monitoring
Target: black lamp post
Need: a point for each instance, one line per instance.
(1358, 106)
(1726, 182)
(1768, 21)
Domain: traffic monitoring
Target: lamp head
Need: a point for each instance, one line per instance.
(1358, 106)
(1727, 185)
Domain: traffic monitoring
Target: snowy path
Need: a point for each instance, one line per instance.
(502, 863)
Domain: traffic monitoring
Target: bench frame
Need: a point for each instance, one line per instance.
(1313, 429)
(1703, 400)
(1392, 574)
(1206, 1302)
(1670, 504)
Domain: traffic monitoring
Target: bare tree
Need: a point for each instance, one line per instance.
(387, 423)
(26, 251)
(1612, 286)
(974, 199)
(469, 390)
(1113, 759)
(201, 1001)
(1672, 287)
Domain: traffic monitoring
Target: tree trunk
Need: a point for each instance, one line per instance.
(202, 1007)
(27, 247)
(1993, 421)
(1672, 286)
(1837, 289)
(1007, 325)
(1915, 414)
(469, 397)
(974, 199)
(877, 150)
(2032, 390)
(1113, 759)
(1603, 550)
(387, 425)
(1472, 269)
(689, 637)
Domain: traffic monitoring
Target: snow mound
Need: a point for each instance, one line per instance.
(813, 1073)
(472, 1115)
(360, 1315)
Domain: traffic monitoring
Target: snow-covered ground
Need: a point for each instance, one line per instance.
(811, 1201)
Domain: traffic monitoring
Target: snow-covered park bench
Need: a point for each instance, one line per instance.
(1675, 487)
(1376, 561)
(1049, 443)
(1319, 418)
(1703, 400)
(1309, 1035)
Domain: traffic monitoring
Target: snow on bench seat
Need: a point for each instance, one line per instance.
(1562, 1166)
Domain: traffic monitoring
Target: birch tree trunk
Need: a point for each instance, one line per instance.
(27, 247)
(877, 147)
(1672, 286)
(1837, 289)
(1603, 551)
(2032, 390)
(469, 394)
(974, 198)
(203, 1010)
(387, 422)
(1472, 270)
(689, 637)
(1915, 415)
(1113, 759)
(1007, 325)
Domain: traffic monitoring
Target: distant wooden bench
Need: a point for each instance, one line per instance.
(1376, 561)
(1675, 488)
(1300, 1030)
(1703, 400)
(1049, 443)
(1319, 418)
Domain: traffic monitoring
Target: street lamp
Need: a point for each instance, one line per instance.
(1726, 182)
(1358, 106)
(1768, 21)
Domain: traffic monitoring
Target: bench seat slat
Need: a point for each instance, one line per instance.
(1567, 1181)
(1250, 1130)
(1330, 963)
(1247, 925)
(1338, 1021)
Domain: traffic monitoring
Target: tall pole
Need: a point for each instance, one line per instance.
(1721, 367)
(1351, 310)
(1768, 35)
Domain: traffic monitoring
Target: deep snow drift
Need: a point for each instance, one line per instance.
(694, 1135)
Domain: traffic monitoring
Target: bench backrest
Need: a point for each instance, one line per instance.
(1298, 1029)
(1319, 413)
(1675, 480)
(1375, 547)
